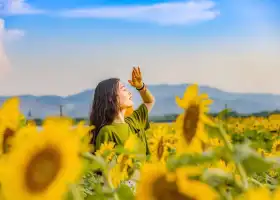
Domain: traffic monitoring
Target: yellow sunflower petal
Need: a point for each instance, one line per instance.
(191, 92)
(42, 166)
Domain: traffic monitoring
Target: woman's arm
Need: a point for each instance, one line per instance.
(147, 97)
(137, 82)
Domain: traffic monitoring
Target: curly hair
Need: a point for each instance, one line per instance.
(105, 105)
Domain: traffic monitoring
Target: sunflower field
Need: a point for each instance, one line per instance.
(195, 158)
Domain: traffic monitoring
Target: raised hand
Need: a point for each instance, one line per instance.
(136, 78)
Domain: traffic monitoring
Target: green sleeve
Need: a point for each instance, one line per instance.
(141, 116)
(104, 135)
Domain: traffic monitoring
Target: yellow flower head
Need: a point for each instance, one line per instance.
(61, 121)
(43, 165)
(104, 148)
(158, 184)
(10, 118)
(83, 132)
(117, 175)
(190, 124)
(10, 115)
(134, 145)
(261, 193)
(159, 142)
(276, 147)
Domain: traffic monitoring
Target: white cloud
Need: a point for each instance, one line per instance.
(6, 35)
(19, 7)
(174, 13)
(13, 34)
(4, 62)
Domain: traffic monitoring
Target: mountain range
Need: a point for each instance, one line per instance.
(78, 105)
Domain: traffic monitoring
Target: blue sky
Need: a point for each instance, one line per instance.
(65, 46)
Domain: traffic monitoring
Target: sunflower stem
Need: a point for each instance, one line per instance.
(256, 182)
(224, 194)
(230, 148)
(243, 175)
(223, 135)
(111, 186)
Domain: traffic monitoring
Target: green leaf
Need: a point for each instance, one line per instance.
(275, 162)
(125, 193)
(250, 134)
(213, 131)
(121, 150)
(217, 177)
(189, 159)
(96, 197)
(96, 162)
(251, 160)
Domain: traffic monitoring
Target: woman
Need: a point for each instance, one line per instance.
(111, 100)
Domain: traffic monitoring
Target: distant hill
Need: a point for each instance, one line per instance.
(78, 105)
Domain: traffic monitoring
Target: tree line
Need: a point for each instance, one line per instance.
(172, 117)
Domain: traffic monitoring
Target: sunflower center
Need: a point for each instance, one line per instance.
(191, 120)
(42, 170)
(164, 190)
(277, 148)
(8, 133)
(160, 148)
(123, 162)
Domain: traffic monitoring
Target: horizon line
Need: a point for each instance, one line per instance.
(159, 84)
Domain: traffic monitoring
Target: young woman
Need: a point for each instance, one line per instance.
(111, 100)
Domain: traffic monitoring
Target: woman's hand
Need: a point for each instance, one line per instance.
(136, 79)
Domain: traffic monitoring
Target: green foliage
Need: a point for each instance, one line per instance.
(250, 160)
(190, 159)
(125, 192)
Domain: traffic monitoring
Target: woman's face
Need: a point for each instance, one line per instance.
(125, 97)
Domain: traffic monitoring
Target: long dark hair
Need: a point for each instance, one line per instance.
(105, 105)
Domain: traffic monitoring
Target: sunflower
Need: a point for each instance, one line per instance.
(159, 143)
(196, 146)
(10, 118)
(192, 188)
(125, 160)
(134, 145)
(119, 172)
(215, 142)
(263, 153)
(156, 183)
(190, 124)
(117, 175)
(107, 147)
(261, 193)
(22, 134)
(276, 147)
(10, 115)
(83, 131)
(42, 166)
(276, 193)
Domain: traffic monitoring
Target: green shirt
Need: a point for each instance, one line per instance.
(118, 133)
